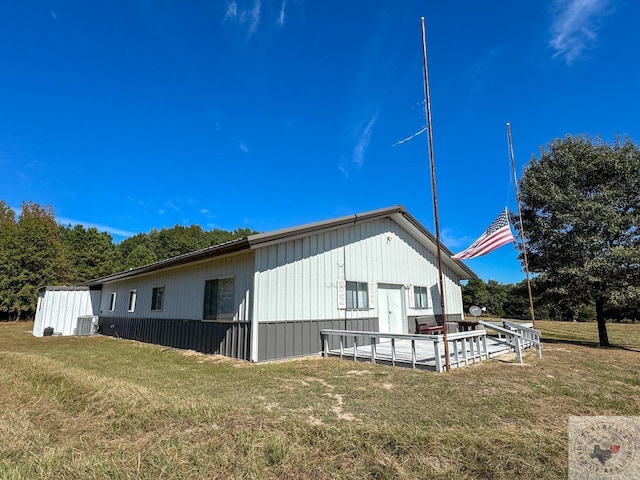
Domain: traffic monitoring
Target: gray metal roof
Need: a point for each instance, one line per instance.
(397, 213)
(51, 288)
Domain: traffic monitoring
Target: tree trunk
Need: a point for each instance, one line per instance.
(602, 326)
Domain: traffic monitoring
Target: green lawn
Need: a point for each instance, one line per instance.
(103, 408)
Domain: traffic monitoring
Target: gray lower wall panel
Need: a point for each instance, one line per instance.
(286, 339)
(229, 339)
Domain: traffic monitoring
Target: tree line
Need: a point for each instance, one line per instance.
(511, 300)
(36, 251)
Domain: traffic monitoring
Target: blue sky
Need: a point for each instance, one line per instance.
(133, 115)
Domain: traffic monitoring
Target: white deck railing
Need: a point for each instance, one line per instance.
(511, 337)
(518, 335)
(464, 347)
(428, 350)
(370, 350)
(530, 336)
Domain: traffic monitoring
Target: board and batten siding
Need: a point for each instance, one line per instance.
(452, 294)
(183, 290)
(298, 279)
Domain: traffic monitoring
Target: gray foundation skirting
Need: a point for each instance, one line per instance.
(296, 338)
(230, 339)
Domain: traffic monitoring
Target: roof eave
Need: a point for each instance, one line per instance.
(463, 271)
(262, 239)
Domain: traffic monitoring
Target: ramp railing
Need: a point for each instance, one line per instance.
(530, 336)
(511, 337)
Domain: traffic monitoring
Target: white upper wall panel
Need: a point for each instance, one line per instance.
(297, 279)
(183, 289)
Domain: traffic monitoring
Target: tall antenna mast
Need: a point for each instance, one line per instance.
(524, 246)
(427, 103)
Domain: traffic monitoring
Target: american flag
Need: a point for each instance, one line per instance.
(497, 235)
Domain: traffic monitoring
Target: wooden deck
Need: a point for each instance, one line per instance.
(427, 351)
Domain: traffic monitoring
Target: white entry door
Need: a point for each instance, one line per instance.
(391, 310)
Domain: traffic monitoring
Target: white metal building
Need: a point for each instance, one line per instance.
(267, 296)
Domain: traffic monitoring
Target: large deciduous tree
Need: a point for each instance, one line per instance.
(86, 254)
(581, 217)
(34, 249)
(7, 250)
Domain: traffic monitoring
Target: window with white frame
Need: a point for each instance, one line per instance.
(219, 299)
(112, 302)
(157, 298)
(420, 296)
(132, 300)
(357, 295)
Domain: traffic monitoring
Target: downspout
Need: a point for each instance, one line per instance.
(344, 274)
(254, 318)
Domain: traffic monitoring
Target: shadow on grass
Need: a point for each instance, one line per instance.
(585, 343)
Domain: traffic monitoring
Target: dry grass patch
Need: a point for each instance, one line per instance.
(97, 407)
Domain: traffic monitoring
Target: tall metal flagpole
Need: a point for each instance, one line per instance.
(524, 246)
(433, 188)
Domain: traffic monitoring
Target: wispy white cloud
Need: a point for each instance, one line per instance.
(575, 27)
(207, 214)
(112, 230)
(245, 16)
(363, 141)
(452, 241)
(172, 206)
(232, 11)
(243, 147)
(253, 17)
(280, 20)
(161, 211)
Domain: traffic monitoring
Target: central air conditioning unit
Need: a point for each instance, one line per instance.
(87, 325)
